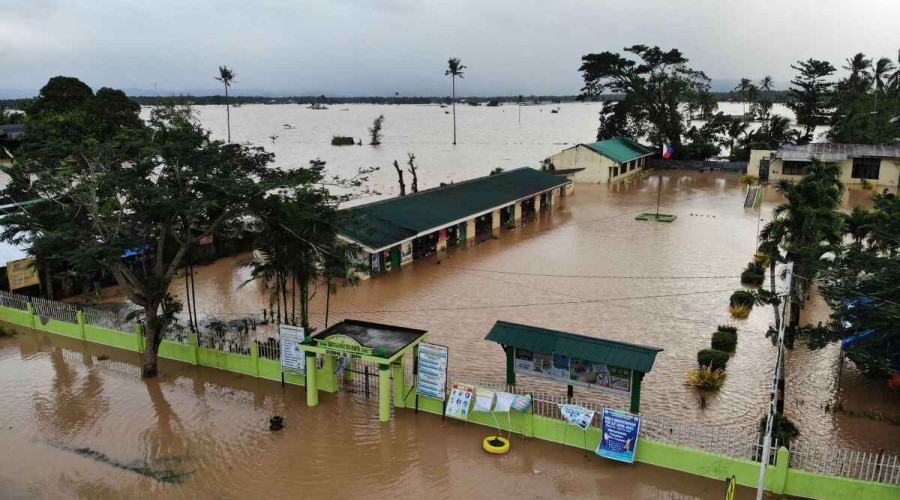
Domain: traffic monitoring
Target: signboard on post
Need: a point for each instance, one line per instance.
(620, 435)
(292, 353)
(575, 372)
(577, 415)
(431, 380)
(21, 273)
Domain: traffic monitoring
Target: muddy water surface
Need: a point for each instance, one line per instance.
(78, 425)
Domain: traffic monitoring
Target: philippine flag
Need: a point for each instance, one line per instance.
(667, 151)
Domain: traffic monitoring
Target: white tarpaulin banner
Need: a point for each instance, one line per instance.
(504, 402)
(577, 415)
(292, 353)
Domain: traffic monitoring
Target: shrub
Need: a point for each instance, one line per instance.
(705, 379)
(749, 180)
(753, 274)
(727, 328)
(340, 140)
(742, 297)
(724, 341)
(712, 357)
(739, 311)
(784, 430)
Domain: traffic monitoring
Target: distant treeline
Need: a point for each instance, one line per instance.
(774, 96)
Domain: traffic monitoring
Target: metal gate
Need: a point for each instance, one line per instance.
(359, 378)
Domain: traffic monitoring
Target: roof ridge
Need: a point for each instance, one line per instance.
(593, 339)
(438, 188)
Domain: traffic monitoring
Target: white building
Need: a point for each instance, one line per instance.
(603, 161)
(878, 165)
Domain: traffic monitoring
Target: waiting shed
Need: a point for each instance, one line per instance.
(383, 344)
(577, 360)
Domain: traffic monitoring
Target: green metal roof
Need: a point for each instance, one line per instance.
(636, 357)
(620, 149)
(388, 222)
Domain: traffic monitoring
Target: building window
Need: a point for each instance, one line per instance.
(866, 168)
(794, 167)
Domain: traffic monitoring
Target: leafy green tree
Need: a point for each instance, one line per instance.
(61, 94)
(10, 117)
(157, 189)
(866, 109)
(654, 91)
(862, 286)
(454, 71)
(810, 94)
(806, 225)
(375, 130)
(226, 76)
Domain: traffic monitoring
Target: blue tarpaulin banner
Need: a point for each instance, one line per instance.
(620, 435)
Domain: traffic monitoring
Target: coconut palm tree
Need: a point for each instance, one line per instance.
(226, 76)
(881, 72)
(454, 70)
(742, 90)
(765, 86)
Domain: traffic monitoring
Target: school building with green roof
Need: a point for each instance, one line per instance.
(603, 161)
(396, 231)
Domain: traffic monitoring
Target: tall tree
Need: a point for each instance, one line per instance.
(743, 92)
(810, 94)
(414, 171)
(226, 76)
(454, 71)
(400, 178)
(765, 102)
(866, 111)
(653, 89)
(881, 72)
(157, 189)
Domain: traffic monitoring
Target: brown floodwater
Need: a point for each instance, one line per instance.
(590, 268)
(78, 425)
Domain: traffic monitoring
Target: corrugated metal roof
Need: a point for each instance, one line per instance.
(620, 149)
(388, 222)
(543, 340)
(832, 152)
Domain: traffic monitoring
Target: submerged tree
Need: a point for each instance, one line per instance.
(412, 170)
(375, 131)
(654, 90)
(400, 178)
(454, 71)
(226, 76)
(157, 190)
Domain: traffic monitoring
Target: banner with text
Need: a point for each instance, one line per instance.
(573, 371)
(431, 381)
(292, 353)
(620, 435)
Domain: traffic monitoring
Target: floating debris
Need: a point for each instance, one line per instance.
(164, 475)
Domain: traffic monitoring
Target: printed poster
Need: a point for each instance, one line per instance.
(576, 372)
(620, 435)
(504, 402)
(460, 403)
(577, 415)
(431, 381)
(21, 273)
(484, 400)
(521, 403)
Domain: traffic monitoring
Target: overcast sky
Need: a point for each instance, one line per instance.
(378, 47)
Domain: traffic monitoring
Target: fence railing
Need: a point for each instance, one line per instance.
(113, 320)
(866, 466)
(60, 311)
(13, 300)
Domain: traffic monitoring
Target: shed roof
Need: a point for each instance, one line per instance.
(392, 339)
(830, 152)
(636, 357)
(620, 149)
(388, 222)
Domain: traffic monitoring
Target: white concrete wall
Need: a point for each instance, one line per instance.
(888, 175)
(596, 166)
(755, 156)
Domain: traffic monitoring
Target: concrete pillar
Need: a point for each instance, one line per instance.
(399, 383)
(537, 206)
(326, 378)
(384, 392)
(193, 341)
(312, 387)
(495, 219)
(470, 232)
(636, 378)
(510, 364)
(517, 212)
(254, 355)
(442, 240)
(554, 197)
(79, 318)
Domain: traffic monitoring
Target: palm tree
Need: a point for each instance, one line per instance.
(765, 85)
(454, 70)
(893, 81)
(881, 72)
(226, 76)
(858, 224)
(742, 90)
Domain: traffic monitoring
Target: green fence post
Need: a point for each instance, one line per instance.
(30, 308)
(79, 317)
(312, 388)
(194, 342)
(779, 476)
(384, 392)
(254, 353)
